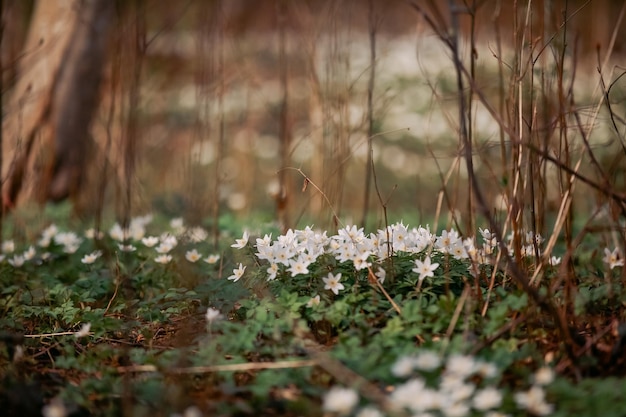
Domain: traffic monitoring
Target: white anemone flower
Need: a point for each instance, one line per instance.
(332, 283)
(241, 243)
(237, 273)
(425, 268)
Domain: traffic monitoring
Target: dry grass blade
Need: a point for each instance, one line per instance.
(374, 281)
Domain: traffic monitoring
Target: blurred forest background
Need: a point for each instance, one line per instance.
(197, 108)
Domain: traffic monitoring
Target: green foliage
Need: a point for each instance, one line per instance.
(151, 348)
(590, 397)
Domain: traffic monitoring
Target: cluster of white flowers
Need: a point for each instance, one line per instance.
(460, 385)
(457, 386)
(295, 251)
(166, 242)
(69, 242)
(127, 239)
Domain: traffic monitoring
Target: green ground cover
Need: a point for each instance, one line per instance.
(153, 319)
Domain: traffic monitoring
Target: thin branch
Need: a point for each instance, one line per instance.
(370, 111)
(308, 181)
(234, 367)
(451, 39)
(374, 281)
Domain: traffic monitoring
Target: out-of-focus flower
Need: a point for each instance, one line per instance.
(193, 256)
(543, 376)
(126, 248)
(17, 261)
(241, 243)
(177, 225)
(403, 366)
(427, 361)
(92, 233)
(150, 241)
(212, 259)
(369, 411)
(50, 231)
(314, 301)
(163, 259)
(117, 233)
(164, 247)
(91, 257)
(340, 400)
(69, 240)
(554, 261)
(612, 258)
(29, 254)
(460, 365)
(486, 369)
(487, 399)
(212, 314)
(84, 331)
(8, 246)
(381, 274)
(55, 408)
(534, 401)
(272, 271)
(197, 234)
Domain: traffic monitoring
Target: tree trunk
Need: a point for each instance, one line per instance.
(48, 119)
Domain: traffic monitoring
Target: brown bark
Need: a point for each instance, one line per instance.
(46, 130)
(76, 98)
